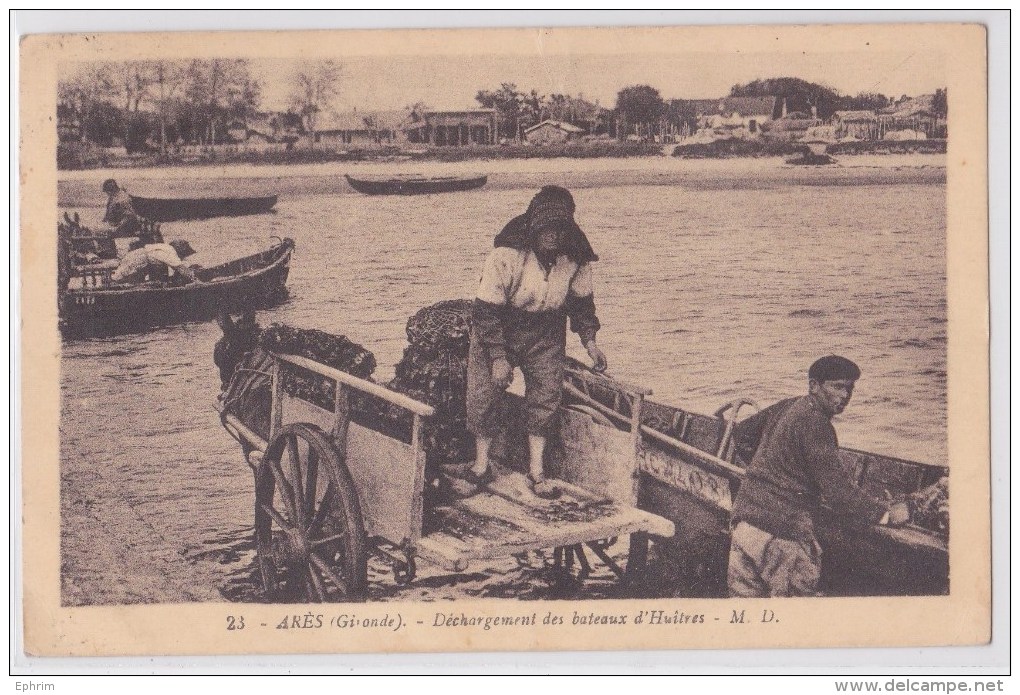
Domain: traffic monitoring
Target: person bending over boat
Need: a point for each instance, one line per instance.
(538, 276)
(154, 260)
(120, 211)
(773, 549)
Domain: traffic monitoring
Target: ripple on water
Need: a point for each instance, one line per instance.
(703, 295)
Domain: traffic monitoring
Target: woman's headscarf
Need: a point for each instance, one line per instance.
(553, 205)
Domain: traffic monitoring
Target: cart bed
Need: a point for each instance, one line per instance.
(508, 519)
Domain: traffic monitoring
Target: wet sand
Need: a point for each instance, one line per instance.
(110, 553)
(81, 188)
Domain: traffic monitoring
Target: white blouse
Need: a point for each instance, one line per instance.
(514, 277)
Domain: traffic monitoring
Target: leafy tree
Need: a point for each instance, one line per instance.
(533, 106)
(866, 101)
(216, 87)
(168, 81)
(639, 105)
(940, 103)
(800, 95)
(80, 97)
(316, 85)
(680, 112)
(508, 103)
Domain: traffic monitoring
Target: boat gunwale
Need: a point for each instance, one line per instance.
(285, 252)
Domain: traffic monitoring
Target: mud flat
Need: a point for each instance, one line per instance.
(82, 188)
(112, 555)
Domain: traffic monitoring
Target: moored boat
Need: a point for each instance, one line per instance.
(415, 185)
(169, 209)
(98, 307)
(691, 469)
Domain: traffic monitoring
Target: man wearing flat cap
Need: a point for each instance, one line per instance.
(120, 211)
(536, 278)
(774, 550)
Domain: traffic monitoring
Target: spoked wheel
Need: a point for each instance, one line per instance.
(308, 529)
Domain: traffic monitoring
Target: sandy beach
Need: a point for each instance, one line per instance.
(81, 188)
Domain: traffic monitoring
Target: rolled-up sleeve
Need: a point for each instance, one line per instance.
(580, 304)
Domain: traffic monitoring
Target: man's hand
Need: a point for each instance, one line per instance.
(598, 358)
(899, 514)
(502, 373)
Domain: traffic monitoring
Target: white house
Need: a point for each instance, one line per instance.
(549, 132)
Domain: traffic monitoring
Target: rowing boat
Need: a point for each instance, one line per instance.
(168, 209)
(95, 306)
(692, 466)
(415, 185)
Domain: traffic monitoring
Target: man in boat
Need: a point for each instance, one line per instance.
(774, 550)
(155, 260)
(120, 211)
(538, 276)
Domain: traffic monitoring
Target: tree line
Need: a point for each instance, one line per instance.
(641, 110)
(156, 103)
(146, 104)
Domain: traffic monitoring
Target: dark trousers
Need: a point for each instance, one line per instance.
(535, 342)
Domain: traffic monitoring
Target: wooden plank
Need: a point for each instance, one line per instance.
(564, 521)
(717, 464)
(596, 457)
(637, 447)
(385, 475)
(671, 468)
(276, 409)
(510, 519)
(359, 384)
(606, 381)
(417, 506)
(442, 551)
(514, 487)
(384, 469)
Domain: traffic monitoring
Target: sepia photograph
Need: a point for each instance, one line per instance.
(507, 339)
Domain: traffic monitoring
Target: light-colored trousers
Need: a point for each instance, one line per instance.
(764, 565)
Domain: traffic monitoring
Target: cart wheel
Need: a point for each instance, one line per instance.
(309, 535)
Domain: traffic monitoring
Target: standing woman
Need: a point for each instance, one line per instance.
(538, 276)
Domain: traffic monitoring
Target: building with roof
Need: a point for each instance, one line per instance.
(736, 113)
(361, 127)
(552, 132)
(856, 125)
(451, 128)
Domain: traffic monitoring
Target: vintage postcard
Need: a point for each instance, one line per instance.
(504, 339)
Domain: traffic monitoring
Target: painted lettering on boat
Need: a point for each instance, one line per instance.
(673, 471)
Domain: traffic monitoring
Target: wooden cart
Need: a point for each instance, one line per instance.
(331, 487)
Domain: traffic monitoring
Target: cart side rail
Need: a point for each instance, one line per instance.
(398, 399)
(388, 473)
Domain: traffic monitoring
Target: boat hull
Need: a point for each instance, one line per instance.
(171, 209)
(105, 312)
(421, 186)
(698, 496)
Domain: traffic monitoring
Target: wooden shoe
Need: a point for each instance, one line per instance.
(475, 482)
(543, 487)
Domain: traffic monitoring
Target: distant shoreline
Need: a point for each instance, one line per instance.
(720, 149)
(226, 154)
(82, 188)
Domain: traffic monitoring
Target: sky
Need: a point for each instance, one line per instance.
(450, 82)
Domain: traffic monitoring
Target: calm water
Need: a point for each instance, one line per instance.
(704, 295)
